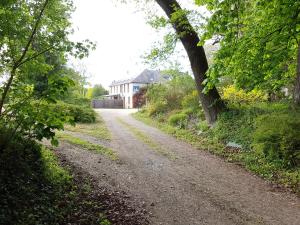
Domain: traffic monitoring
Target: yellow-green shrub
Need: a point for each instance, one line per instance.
(156, 108)
(235, 95)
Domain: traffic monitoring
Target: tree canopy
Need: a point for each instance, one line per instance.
(34, 46)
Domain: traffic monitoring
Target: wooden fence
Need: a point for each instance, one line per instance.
(108, 104)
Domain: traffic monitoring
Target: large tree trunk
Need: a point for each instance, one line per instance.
(211, 101)
(297, 83)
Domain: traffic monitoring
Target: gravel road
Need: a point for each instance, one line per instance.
(192, 188)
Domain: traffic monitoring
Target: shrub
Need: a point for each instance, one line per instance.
(180, 120)
(79, 113)
(156, 108)
(277, 137)
(239, 96)
(168, 96)
(203, 126)
(236, 125)
(32, 184)
(191, 101)
(78, 101)
(82, 114)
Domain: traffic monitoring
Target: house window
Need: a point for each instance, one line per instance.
(128, 102)
(136, 88)
(128, 88)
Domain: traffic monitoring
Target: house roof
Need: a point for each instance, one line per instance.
(146, 77)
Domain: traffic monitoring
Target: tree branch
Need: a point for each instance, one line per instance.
(32, 33)
(17, 63)
(35, 56)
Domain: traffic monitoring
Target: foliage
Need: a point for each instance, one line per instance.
(234, 95)
(277, 137)
(97, 91)
(32, 185)
(252, 160)
(34, 119)
(191, 100)
(237, 125)
(179, 120)
(34, 46)
(258, 42)
(36, 189)
(78, 90)
(79, 101)
(168, 96)
(79, 113)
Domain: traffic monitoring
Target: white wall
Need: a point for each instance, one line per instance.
(127, 96)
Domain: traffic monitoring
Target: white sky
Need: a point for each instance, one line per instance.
(121, 34)
(122, 37)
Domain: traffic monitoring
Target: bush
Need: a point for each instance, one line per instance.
(32, 184)
(277, 137)
(191, 101)
(78, 101)
(203, 126)
(236, 125)
(82, 114)
(168, 96)
(179, 120)
(239, 96)
(156, 108)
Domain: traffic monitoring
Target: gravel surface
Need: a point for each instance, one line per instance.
(195, 188)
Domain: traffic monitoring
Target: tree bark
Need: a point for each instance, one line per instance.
(297, 82)
(211, 101)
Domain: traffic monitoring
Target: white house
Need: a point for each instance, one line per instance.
(125, 89)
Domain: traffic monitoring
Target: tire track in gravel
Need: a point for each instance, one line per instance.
(196, 188)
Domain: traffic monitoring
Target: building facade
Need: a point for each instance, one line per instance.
(126, 89)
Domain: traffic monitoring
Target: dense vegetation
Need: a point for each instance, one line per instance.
(38, 190)
(262, 135)
(258, 46)
(39, 95)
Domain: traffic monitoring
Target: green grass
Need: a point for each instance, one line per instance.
(97, 129)
(87, 145)
(148, 141)
(52, 170)
(249, 159)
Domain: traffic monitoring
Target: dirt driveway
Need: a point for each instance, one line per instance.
(179, 185)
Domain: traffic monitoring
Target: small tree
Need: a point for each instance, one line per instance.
(98, 90)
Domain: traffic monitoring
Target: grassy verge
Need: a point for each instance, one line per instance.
(87, 145)
(97, 129)
(148, 141)
(289, 178)
(35, 189)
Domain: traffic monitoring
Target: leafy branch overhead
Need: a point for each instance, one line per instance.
(34, 46)
(258, 39)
